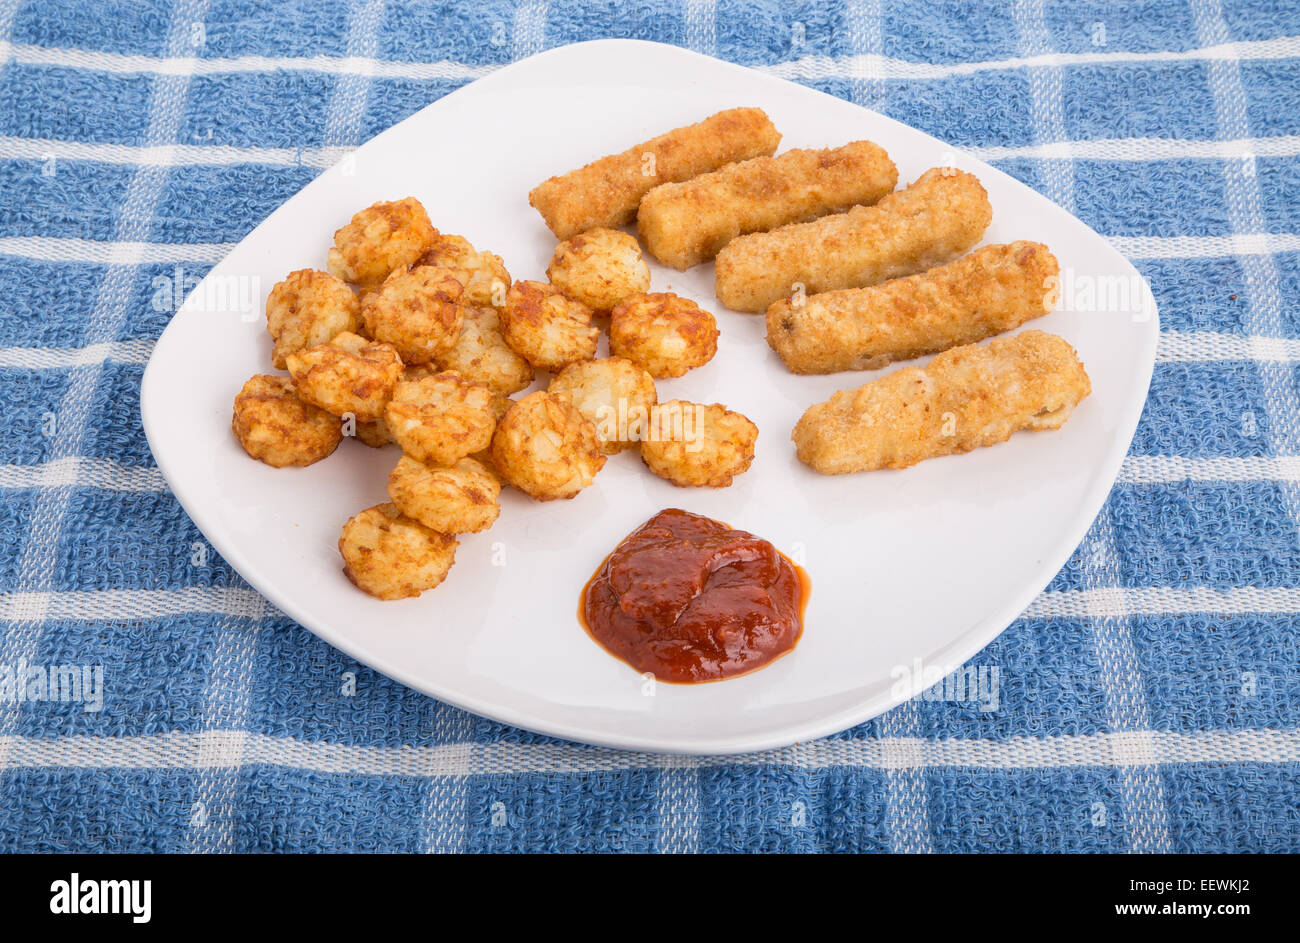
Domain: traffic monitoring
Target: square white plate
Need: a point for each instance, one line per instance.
(929, 563)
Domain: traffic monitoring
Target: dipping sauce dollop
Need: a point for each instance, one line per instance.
(689, 599)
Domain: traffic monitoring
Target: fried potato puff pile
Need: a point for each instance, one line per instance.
(416, 338)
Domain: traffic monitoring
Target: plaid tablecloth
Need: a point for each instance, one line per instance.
(1147, 701)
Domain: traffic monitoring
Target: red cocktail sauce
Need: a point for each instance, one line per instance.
(689, 599)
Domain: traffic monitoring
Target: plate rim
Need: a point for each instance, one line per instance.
(967, 645)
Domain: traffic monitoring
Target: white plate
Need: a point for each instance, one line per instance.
(929, 563)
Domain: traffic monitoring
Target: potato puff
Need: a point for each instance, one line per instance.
(546, 448)
(348, 375)
(693, 445)
(482, 355)
(277, 427)
(600, 268)
(306, 309)
(382, 238)
(547, 328)
(391, 556)
(500, 406)
(459, 499)
(442, 418)
(615, 394)
(664, 334)
(483, 274)
(418, 371)
(416, 311)
(374, 434)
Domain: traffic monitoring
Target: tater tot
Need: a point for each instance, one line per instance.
(614, 393)
(600, 268)
(418, 312)
(442, 418)
(547, 328)
(991, 290)
(306, 309)
(698, 446)
(483, 274)
(380, 239)
(967, 398)
(546, 448)
(374, 434)
(664, 334)
(684, 224)
(456, 499)
(348, 375)
(390, 556)
(937, 218)
(418, 371)
(606, 192)
(500, 406)
(482, 355)
(275, 426)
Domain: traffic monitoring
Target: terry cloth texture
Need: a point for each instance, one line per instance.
(1149, 700)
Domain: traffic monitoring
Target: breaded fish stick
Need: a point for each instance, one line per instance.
(994, 289)
(607, 192)
(931, 222)
(684, 224)
(968, 397)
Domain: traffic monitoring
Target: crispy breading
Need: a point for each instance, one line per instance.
(937, 218)
(698, 446)
(684, 224)
(274, 425)
(457, 499)
(391, 556)
(483, 274)
(380, 239)
(442, 418)
(417, 311)
(599, 267)
(991, 290)
(547, 328)
(614, 393)
(546, 448)
(482, 355)
(606, 192)
(348, 375)
(306, 309)
(968, 397)
(663, 333)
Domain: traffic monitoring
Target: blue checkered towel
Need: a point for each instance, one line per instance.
(1149, 700)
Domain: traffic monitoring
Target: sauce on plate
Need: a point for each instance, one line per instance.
(689, 599)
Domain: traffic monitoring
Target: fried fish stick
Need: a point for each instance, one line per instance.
(968, 397)
(684, 224)
(931, 222)
(994, 289)
(607, 192)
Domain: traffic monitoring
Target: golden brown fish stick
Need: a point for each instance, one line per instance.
(607, 192)
(684, 224)
(931, 222)
(968, 397)
(994, 289)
